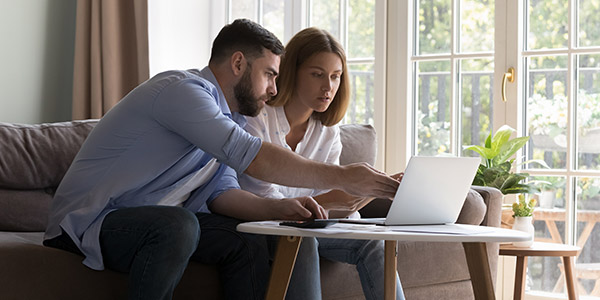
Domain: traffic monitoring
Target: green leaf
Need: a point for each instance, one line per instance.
(510, 148)
(488, 141)
(501, 137)
(511, 181)
(504, 166)
(515, 190)
(491, 174)
(521, 189)
(484, 152)
(478, 180)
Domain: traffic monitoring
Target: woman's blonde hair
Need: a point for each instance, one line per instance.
(299, 49)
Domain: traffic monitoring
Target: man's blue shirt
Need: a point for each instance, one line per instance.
(146, 146)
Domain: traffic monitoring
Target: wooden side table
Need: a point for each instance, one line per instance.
(567, 252)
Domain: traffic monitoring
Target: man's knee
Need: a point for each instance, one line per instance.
(219, 232)
(176, 226)
(255, 245)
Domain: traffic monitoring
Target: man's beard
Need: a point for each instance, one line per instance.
(244, 94)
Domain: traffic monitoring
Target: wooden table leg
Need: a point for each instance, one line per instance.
(479, 270)
(520, 277)
(570, 278)
(391, 265)
(283, 265)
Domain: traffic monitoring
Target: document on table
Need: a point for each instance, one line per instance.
(442, 229)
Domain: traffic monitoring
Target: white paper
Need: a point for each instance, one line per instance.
(443, 229)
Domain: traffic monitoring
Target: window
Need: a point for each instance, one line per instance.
(561, 74)
(453, 67)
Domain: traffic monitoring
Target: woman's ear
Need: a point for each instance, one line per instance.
(238, 63)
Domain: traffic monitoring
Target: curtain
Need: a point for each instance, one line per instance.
(111, 53)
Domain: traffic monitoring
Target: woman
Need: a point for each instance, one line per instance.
(314, 94)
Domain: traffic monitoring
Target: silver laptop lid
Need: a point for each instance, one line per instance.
(432, 190)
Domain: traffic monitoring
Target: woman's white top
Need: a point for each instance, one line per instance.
(320, 143)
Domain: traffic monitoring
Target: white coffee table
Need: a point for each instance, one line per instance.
(473, 239)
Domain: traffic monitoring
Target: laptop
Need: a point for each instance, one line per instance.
(432, 191)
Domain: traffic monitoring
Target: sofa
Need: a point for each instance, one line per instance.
(34, 158)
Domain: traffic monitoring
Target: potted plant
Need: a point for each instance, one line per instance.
(496, 166)
(523, 214)
(549, 187)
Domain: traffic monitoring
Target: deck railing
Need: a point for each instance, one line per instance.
(360, 109)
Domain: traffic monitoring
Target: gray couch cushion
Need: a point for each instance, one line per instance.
(359, 144)
(38, 156)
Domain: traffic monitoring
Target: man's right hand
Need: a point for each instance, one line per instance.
(300, 208)
(363, 180)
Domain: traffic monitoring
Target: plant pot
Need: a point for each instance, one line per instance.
(547, 198)
(524, 224)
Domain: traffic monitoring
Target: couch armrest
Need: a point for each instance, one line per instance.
(492, 198)
(482, 207)
(37, 156)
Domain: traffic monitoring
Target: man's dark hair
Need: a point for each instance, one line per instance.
(245, 36)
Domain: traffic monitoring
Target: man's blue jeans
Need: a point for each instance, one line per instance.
(155, 243)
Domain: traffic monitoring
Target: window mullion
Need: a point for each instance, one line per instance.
(343, 22)
(571, 150)
(399, 118)
(228, 11)
(259, 12)
(454, 69)
(296, 14)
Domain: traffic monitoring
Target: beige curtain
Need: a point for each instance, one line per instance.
(111, 53)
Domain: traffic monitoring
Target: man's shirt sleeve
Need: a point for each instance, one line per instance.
(228, 181)
(189, 108)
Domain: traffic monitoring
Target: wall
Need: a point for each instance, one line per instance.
(37, 48)
(36, 59)
(180, 33)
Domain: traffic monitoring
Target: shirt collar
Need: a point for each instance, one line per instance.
(282, 120)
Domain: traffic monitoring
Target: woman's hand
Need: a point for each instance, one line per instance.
(398, 176)
(339, 200)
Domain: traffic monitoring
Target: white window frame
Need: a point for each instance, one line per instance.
(398, 107)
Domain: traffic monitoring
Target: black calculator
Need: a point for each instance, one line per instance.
(318, 223)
